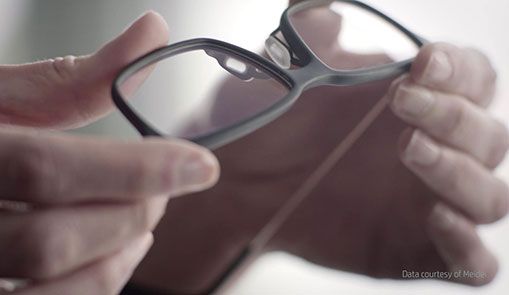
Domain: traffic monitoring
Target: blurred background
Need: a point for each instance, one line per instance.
(34, 29)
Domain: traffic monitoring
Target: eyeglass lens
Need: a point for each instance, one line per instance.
(339, 32)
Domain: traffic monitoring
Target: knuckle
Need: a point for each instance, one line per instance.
(45, 248)
(500, 145)
(491, 76)
(31, 170)
(63, 67)
(105, 280)
(453, 122)
(140, 212)
(63, 72)
(495, 204)
(501, 202)
(456, 169)
(109, 277)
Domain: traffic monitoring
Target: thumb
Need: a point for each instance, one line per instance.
(73, 91)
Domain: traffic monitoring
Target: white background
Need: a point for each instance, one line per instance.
(60, 27)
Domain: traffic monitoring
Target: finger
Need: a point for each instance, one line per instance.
(460, 247)
(57, 169)
(104, 277)
(458, 179)
(49, 243)
(452, 120)
(447, 68)
(72, 91)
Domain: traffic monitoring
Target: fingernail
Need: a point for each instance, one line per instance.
(439, 68)
(198, 172)
(412, 101)
(421, 150)
(442, 217)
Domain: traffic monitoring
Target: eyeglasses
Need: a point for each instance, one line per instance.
(212, 93)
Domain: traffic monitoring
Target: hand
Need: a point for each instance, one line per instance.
(76, 214)
(453, 147)
(381, 220)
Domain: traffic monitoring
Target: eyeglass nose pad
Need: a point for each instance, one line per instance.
(278, 52)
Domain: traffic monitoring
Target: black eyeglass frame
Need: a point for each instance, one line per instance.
(312, 72)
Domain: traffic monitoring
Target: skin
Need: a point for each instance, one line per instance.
(388, 205)
(409, 195)
(77, 214)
